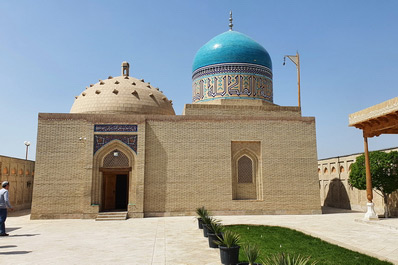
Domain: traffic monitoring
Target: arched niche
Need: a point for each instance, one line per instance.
(107, 163)
(246, 183)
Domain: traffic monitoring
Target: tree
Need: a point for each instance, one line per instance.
(384, 172)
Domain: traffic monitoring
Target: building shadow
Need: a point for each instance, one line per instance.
(27, 235)
(332, 210)
(337, 196)
(8, 246)
(19, 213)
(12, 252)
(10, 229)
(155, 153)
(393, 204)
(15, 252)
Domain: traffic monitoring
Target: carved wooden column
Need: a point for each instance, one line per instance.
(370, 214)
(369, 191)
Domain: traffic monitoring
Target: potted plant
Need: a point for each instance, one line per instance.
(229, 248)
(206, 220)
(214, 232)
(283, 258)
(251, 252)
(201, 212)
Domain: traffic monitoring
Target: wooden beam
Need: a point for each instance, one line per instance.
(383, 119)
(385, 124)
(393, 116)
(390, 131)
(115, 169)
(374, 121)
(367, 124)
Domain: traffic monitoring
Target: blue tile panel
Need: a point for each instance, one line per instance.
(101, 140)
(115, 128)
(232, 81)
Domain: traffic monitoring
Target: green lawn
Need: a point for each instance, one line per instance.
(274, 239)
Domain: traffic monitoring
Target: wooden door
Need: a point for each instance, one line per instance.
(121, 192)
(110, 190)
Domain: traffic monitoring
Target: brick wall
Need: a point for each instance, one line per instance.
(20, 174)
(335, 191)
(182, 162)
(63, 168)
(188, 164)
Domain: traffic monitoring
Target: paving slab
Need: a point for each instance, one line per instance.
(173, 240)
(169, 240)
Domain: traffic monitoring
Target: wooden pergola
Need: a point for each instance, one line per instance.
(374, 121)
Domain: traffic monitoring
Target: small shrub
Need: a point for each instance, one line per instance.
(229, 239)
(202, 212)
(215, 226)
(206, 220)
(251, 252)
(286, 259)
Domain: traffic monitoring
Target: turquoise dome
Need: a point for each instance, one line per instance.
(231, 47)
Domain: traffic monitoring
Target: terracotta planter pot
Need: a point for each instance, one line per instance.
(229, 256)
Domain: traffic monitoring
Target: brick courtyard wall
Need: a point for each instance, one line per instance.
(335, 191)
(20, 174)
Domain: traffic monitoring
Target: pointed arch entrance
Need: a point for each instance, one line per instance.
(115, 171)
(113, 176)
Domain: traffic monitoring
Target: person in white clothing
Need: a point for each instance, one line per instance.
(4, 204)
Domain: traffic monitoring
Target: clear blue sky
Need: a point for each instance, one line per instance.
(51, 50)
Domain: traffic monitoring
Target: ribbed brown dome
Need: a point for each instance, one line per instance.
(122, 94)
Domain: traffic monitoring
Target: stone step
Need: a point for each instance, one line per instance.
(112, 213)
(111, 216)
(109, 219)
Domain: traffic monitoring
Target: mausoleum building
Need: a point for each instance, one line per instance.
(233, 150)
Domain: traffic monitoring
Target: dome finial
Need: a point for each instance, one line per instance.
(125, 68)
(230, 20)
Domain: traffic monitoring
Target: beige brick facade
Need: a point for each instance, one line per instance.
(20, 174)
(179, 162)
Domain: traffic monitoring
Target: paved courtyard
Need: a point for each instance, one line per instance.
(173, 240)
